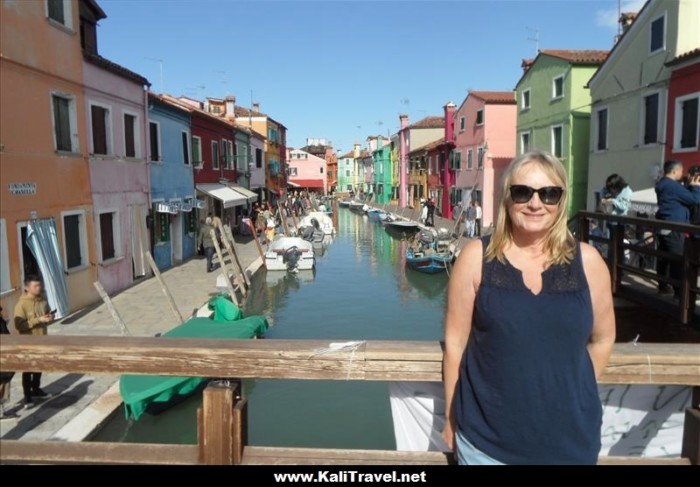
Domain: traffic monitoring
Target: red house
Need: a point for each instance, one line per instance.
(683, 123)
(442, 177)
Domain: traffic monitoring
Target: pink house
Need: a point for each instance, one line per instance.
(485, 143)
(116, 101)
(307, 171)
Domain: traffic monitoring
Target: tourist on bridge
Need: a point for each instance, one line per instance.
(32, 317)
(206, 243)
(471, 220)
(675, 203)
(617, 196)
(529, 329)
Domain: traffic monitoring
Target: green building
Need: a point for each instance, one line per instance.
(554, 109)
(382, 171)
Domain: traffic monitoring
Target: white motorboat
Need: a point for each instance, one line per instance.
(289, 254)
(325, 223)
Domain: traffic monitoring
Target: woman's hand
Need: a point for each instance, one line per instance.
(448, 435)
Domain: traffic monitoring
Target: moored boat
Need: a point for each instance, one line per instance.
(428, 263)
(325, 223)
(401, 226)
(289, 254)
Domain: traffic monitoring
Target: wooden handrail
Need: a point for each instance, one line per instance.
(643, 222)
(648, 363)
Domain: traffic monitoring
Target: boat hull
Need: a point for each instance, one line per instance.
(428, 264)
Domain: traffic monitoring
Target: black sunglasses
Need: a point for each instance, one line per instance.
(549, 195)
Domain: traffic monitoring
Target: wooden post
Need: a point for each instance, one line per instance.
(283, 219)
(688, 279)
(691, 429)
(112, 310)
(229, 285)
(164, 288)
(217, 436)
(240, 430)
(617, 255)
(231, 249)
(458, 221)
(257, 242)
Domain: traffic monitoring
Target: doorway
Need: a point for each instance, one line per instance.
(176, 237)
(28, 263)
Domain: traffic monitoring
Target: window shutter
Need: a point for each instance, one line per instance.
(99, 130)
(153, 130)
(107, 235)
(61, 110)
(71, 230)
(56, 11)
(651, 114)
(129, 142)
(689, 127)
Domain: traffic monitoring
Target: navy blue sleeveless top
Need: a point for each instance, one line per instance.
(527, 392)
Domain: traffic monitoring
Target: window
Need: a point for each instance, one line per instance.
(470, 159)
(59, 11)
(101, 129)
(480, 117)
(558, 87)
(224, 153)
(292, 171)
(601, 120)
(455, 196)
(5, 284)
(524, 142)
(456, 160)
(461, 123)
(321, 170)
(349, 187)
(186, 147)
(74, 240)
(109, 233)
(161, 226)
(65, 123)
(196, 150)
(347, 173)
(258, 158)
(154, 135)
(242, 159)
(657, 34)
(557, 140)
(214, 154)
(650, 119)
(687, 122)
(525, 99)
(130, 135)
(479, 157)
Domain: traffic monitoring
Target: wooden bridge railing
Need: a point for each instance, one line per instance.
(629, 243)
(222, 418)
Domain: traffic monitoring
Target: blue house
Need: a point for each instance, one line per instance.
(173, 222)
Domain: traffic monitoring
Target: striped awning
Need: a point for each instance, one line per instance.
(226, 195)
(249, 195)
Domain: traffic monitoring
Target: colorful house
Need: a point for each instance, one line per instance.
(485, 126)
(174, 217)
(275, 148)
(382, 180)
(630, 94)
(554, 109)
(683, 124)
(346, 172)
(324, 149)
(307, 171)
(43, 156)
(116, 101)
(411, 137)
(257, 167)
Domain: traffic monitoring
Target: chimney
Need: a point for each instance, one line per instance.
(626, 19)
(256, 106)
(526, 64)
(449, 121)
(356, 150)
(404, 120)
(230, 107)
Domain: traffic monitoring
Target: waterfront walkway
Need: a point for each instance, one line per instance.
(145, 311)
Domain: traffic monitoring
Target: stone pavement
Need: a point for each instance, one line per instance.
(145, 311)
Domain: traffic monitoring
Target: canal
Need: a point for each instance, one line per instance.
(360, 290)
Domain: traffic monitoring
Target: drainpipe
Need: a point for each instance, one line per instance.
(402, 160)
(147, 145)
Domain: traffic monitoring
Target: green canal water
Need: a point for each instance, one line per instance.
(360, 290)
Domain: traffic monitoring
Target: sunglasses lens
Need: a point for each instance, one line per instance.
(520, 193)
(550, 195)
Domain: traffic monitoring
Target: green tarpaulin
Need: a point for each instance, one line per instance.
(138, 391)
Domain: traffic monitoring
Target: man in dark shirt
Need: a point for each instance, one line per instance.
(675, 202)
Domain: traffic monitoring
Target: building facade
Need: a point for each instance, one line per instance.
(307, 171)
(382, 180)
(683, 123)
(174, 205)
(630, 94)
(346, 172)
(43, 155)
(412, 137)
(554, 109)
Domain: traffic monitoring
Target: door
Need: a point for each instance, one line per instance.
(28, 264)
(176, 237)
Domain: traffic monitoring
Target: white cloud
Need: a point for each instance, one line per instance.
(609, 17)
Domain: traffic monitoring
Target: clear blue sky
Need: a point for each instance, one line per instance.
(325, 68)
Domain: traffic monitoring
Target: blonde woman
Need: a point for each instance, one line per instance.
(528, 331)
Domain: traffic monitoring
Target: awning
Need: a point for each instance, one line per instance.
(226, 195)
(309, 183)
(249, 195)
(293, 185)
(167, 208)
(644, 201)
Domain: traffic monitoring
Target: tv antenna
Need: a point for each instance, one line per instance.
(534, 37)
(224, 80)
(160, 64)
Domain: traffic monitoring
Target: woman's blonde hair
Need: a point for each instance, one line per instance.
(560, 244)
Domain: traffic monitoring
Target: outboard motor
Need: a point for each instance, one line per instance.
(307, 233)
(291, 258)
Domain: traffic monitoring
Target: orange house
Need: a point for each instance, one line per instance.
(45, 200)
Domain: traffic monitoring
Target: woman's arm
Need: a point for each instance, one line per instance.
(622, 201)
(464, 281)
(603, 335)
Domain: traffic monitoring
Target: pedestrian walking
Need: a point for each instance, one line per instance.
(675, 203)
(430, 220)
(471, 220)
(529, 329)
(32, 317)
(206, 243)
(5, 378)
(478, 218)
